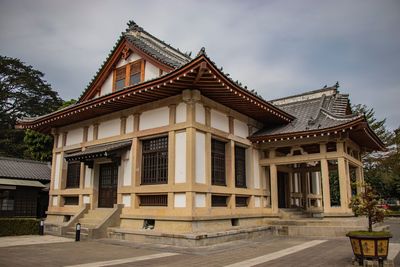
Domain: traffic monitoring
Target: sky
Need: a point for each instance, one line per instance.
(278, 48)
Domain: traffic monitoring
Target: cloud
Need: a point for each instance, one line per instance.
(276, 47)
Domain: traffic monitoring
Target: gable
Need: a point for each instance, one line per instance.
(134, 44)
(125, 54)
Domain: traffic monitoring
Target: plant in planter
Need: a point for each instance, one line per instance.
(371, 245)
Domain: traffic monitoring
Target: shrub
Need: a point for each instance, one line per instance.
(366, 204)
(19, 226)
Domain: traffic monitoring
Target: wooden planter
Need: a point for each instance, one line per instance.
(366, 247)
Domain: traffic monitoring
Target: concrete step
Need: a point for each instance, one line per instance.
(83, 236)
(95, 221)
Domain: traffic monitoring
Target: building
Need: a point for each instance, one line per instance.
(24, 186)
(180, 147)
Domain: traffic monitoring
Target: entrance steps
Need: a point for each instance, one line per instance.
(292, 214)
(95, 222)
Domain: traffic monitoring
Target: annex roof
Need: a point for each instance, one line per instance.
(323, 111)
(24, 169)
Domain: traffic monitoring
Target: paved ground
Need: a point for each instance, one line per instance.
(268, 251)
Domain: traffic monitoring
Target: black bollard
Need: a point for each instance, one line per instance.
(78, 232)
(41, 227)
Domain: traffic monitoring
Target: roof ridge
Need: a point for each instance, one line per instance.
(132, 25)
(24, 160)
(325, 89)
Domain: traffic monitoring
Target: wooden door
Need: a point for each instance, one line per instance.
(108, 183)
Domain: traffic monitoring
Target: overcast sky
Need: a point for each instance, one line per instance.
(278, 48)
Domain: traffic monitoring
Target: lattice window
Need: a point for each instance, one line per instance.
(73, 174)
(71, 200)
(240, 166)
(135, 73)
(6, 200)
(154, 200)
(218, 162)
(241, 201)
(120, 75)
(219, 201)
(155, 161)
(129, 74)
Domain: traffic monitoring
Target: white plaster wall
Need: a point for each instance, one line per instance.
(200, 157)
(180, 157)
(126, 200)
(86, 199)
(131, 58)
(256, 166)
(180, 200)
(200, 113)
(109, 128)
(240, 129)
(150, 71)
(154, 118)
(57, 172)
(90, 133)
(74, 136)
(129, 124)
(127, 169)
(181, 113)
(55, 201)
(219, 121)
(200, 200)
(88, 177)
(257, 202)
(106, 87)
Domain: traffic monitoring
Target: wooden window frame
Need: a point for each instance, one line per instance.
(73, 175)
(218, 162)
(240, 167)
(154, 161)
(128, 73)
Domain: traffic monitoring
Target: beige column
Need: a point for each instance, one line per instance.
(230, 164)
(343, 183)
(274, 187)
(359, 178)
(326, 193)
(171, 158)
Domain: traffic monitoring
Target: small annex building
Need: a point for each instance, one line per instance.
(24, 187)
(169, 142)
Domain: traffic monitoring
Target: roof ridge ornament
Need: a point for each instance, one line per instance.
(202, 52)
(133, 26)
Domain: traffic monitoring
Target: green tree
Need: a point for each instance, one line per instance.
(378, 126)
(39, 146)
(23, 93)
(382, 169)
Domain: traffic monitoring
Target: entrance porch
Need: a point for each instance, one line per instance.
(317, 178)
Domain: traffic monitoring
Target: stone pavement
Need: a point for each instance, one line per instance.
(265, 251)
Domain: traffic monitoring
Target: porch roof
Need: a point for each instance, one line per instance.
(98, 151)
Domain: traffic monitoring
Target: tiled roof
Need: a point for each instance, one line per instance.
(24, 169)
(315, 110)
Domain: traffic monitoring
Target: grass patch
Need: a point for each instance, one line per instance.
(373, 233)
(19, 226)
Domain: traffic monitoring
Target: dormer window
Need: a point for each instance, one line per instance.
(130, 74)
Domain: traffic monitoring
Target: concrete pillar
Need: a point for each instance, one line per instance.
(274, 187)
(326, 193)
